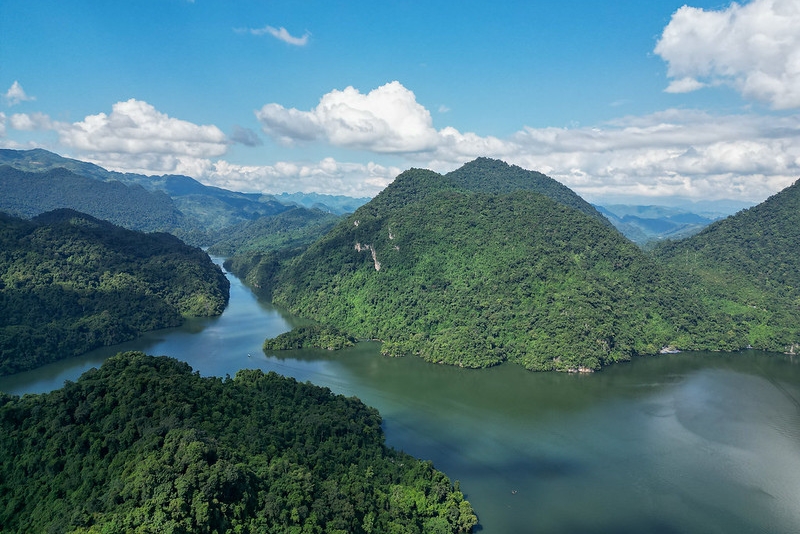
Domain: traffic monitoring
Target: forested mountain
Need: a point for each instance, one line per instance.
(748, 265)
(70, 283)
(145, 445)
(494, 176)
(201, 208)
(291, 230)
(26, 194)
(474, 278)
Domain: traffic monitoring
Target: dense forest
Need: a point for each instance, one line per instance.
(70, 283)
(291, 231)
(475, 278)
(27, 194)
(143, 444)
(748, 266)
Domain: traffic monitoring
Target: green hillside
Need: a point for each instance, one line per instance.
(495, 176)
(477, 278)
(290, 230)
(27, 194)
(145, 445)
(70, 283)
(748, 266)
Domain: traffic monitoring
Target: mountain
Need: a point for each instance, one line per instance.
(70, 282)
(494, 176)
(475, 269)
(748, 265)
(294, 229)
(27, 194)
(644, 224)
(144, 444)
(202, 208)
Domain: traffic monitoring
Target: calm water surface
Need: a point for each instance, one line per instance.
(706, 443)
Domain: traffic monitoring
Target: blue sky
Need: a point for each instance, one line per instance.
(621, 101)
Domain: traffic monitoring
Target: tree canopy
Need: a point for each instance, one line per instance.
(143, 444)
(70, 283)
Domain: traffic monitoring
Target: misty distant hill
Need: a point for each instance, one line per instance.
(201, 208)
(644, 224)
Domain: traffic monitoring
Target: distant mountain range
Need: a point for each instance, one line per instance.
(198, 213)
(35, 181)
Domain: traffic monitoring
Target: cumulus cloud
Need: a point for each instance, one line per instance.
(282, 34)
(137, 137)
(2, 124)
(327, 176)
(385, 120)
(30, 121)
(670, 153)
(16, 94)
(754, 48)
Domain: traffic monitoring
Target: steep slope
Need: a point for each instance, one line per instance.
(144, 444)
(478, 278)
(747, 265)
(70, 283)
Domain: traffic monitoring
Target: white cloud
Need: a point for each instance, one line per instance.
(281, 34)
(684, 85)
(2, 124)
(16, 94)
(30, 121)
(754, 47)
(673, 152)
(326, 176)
(385, 120)
(137, 137)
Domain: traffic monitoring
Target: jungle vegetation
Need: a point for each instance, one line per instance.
(748, 266)
(457, 273)
(145, 445)
(70, 283)
(310, 337)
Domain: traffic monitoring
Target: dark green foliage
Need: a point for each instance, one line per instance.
(70, 283)
(476, 278)
(310, 337)
(145, 445)
(494, 176)
(294, 229)
(26, 194)
(457, 270)
(747, 266)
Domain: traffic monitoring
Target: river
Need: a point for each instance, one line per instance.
(679, 443)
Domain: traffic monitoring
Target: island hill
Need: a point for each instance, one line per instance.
(493, 263)
(70, 283)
